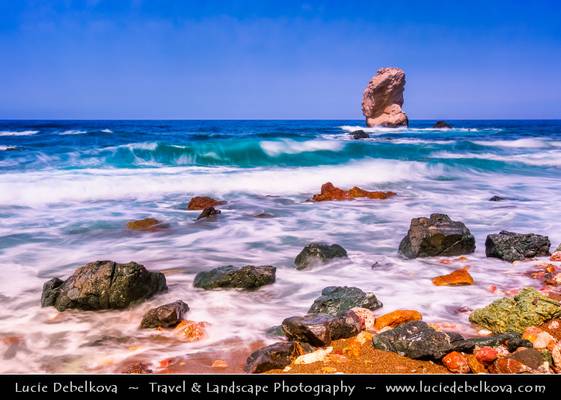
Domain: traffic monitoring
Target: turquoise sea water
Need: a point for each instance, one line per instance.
(67, 189)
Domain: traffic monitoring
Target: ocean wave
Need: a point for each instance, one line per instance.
(73, 132)
(542, 159)
(382, 130)
(106, 131)
(35, 188)
(18, 133)
(276, 148)
(7, 148)
(526, 143)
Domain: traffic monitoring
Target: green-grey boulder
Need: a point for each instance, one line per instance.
(318, 253)
(231, 277)
(336, 300)
(103, 285)
(515, 314)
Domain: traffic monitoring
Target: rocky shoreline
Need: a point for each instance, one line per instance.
(347, 329)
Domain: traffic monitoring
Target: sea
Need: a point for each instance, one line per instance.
(68, 189)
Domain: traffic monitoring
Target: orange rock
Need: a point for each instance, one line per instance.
(446, 261)
(353, 349)
(202, 202)
(145, 224)
(396, 318)
(456, 362)
(191, 331)
(553, 279)
(486, 355)
(556, 256)
(457, 278)
(329, 192)
(219, 364)
(138, 367)
(509, 366)
(475, 366)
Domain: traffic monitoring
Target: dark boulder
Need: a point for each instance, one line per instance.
(415, 339)
(230, 277)
(336, 300)
(321, 329)
(511, 340)
(442, 125)
(359, 134)
(165, 316)
(318, 253)
(103, 285)
(275, 356)
(208, 213)
(510, 246)
(436, 236)
(530, 357)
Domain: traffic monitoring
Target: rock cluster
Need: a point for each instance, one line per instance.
(329, 192)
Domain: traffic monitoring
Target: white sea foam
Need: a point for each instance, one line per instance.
(382, 130)
(7, 148)
(276, 148)
(106, 131)
(73, 132)
(18, 133)
(542, 159)
(529, 143)
(99, 184)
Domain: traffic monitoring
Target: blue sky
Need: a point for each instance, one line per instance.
(283, 59)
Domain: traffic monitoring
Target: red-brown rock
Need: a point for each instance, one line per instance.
(456, 362)
(486, 355)
(202, 202)
(383, 98)
(396, 318)
(329, 192)
(507, 365)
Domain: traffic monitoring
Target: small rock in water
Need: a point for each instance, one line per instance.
(146, 224)
(202, 202)
(166, 316)
(436, 236)
(320, 329)
(459, 277)
(415, 339)
(510, 246)
(318, 253)
(230, 277)
(359, 134)
(336, 300)
(208, 213)
(103, 285)
(396, 318)
(275, 356)
(528, 308)
(442, 125)
(331, 193)
(456, 362)
(191, 331)
(498, 198)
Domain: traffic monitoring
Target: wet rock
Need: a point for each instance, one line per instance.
(138, 367)
(191, 331)
(507, 365)
(103, 285)
(208, 213)
(556, 256)
(442, 125)
(436, 236)
(320, 329)
(275, 331)
(202, 202)
(318, 253)
(396, 318)
(146, 224)
(510, 246)
(475, 365)
(165, 316)
(456, 362)
(529, 357)
(336, 300)
(329, 192)
(498, 198)
(528, 308)
(515, 343)
(264, 215)
(556, 356)
(365, 316)
(459, 277)
(383, 98)
(414, 339)
(275, 356)
(359, 134)
(229, 277)
(486, 355)
(468, 345)
(538, 338)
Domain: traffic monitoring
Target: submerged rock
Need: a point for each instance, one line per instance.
(383, 98)
(247, 277)
(442, 125)
(103, 285)
(321, 329)
(318, 253)
(436, 236)
(208, 213)
(329, 192)
(498, 198)
(459, 277)
(528, 308)
(202, 202)
(360, 134)
(336, 300)
(510, 246)
(275, 356)
(415, 339)
(146, 224)
(166, 316)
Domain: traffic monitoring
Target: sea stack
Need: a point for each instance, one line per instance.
(383, 98)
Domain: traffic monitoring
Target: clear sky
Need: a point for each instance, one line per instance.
(276, 59)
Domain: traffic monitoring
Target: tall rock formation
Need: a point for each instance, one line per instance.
(383, 98)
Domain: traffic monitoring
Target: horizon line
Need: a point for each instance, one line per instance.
(270, 119)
